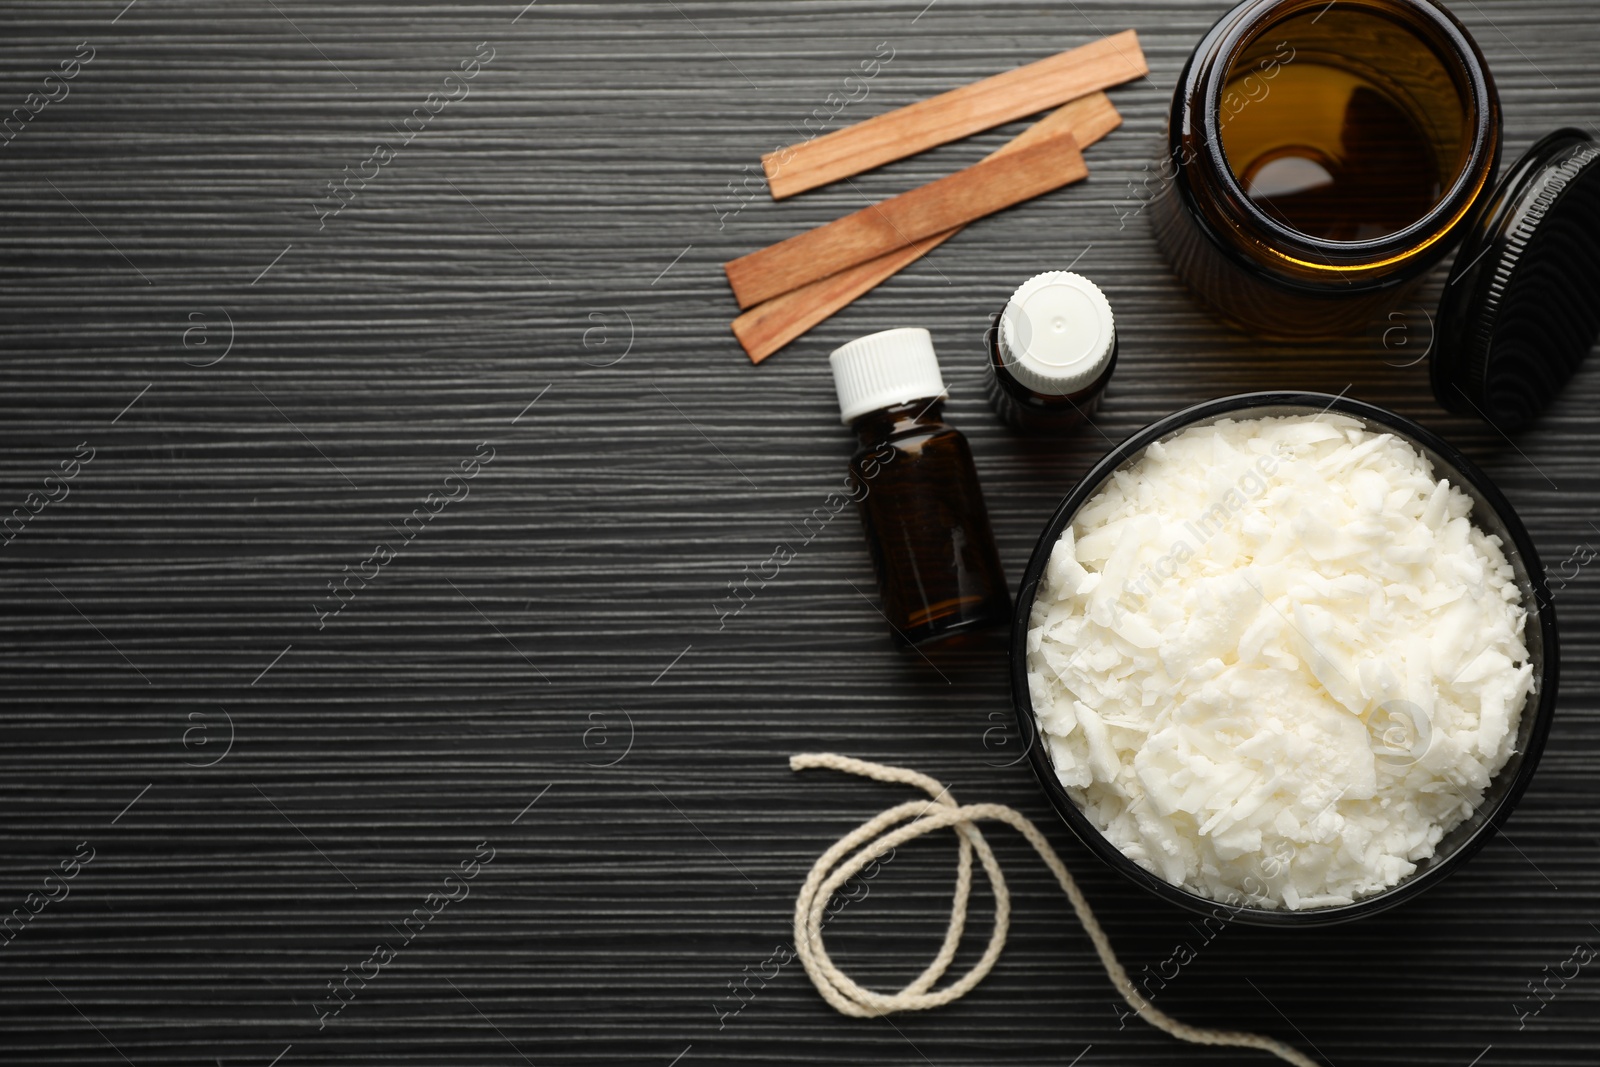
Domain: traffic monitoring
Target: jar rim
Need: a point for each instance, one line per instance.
(1448, 38)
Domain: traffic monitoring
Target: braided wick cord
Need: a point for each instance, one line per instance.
(902, 823)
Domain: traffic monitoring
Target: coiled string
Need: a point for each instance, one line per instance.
(833, 869)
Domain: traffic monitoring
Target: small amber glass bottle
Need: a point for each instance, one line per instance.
(1052, 351)
(1321, 157)
(917, 490)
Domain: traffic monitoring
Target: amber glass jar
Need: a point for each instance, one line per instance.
(1321, 158)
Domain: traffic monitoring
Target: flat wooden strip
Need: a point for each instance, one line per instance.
(959, 113)
(1088, 119)
(981, 189)
(771, 325)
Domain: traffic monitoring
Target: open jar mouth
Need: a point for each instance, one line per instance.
(1377, 146)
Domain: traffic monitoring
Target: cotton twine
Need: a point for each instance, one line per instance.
(943, 812)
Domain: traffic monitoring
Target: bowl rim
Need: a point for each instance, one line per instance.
(1526, 762)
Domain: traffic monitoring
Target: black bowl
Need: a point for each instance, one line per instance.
(1491, 513)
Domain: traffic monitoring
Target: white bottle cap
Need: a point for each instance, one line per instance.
(1057, 333)
(881, 370)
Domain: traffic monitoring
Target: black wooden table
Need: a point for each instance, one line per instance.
(370, 592)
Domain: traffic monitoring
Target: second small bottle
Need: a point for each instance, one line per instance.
(1052, 351)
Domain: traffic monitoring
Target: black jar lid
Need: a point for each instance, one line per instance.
(1522, 307)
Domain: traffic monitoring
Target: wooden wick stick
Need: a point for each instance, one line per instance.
(959, 113)
(980, 190)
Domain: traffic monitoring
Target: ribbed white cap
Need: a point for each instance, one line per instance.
(1057, 333)
(884, 369)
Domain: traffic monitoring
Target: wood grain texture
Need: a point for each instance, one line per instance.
(771, 325)
(1005, 97)
(555, 239)
(1002, 180)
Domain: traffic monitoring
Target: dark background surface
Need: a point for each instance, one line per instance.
(267, 800)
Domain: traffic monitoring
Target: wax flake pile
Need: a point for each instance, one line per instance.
(1282, 639)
